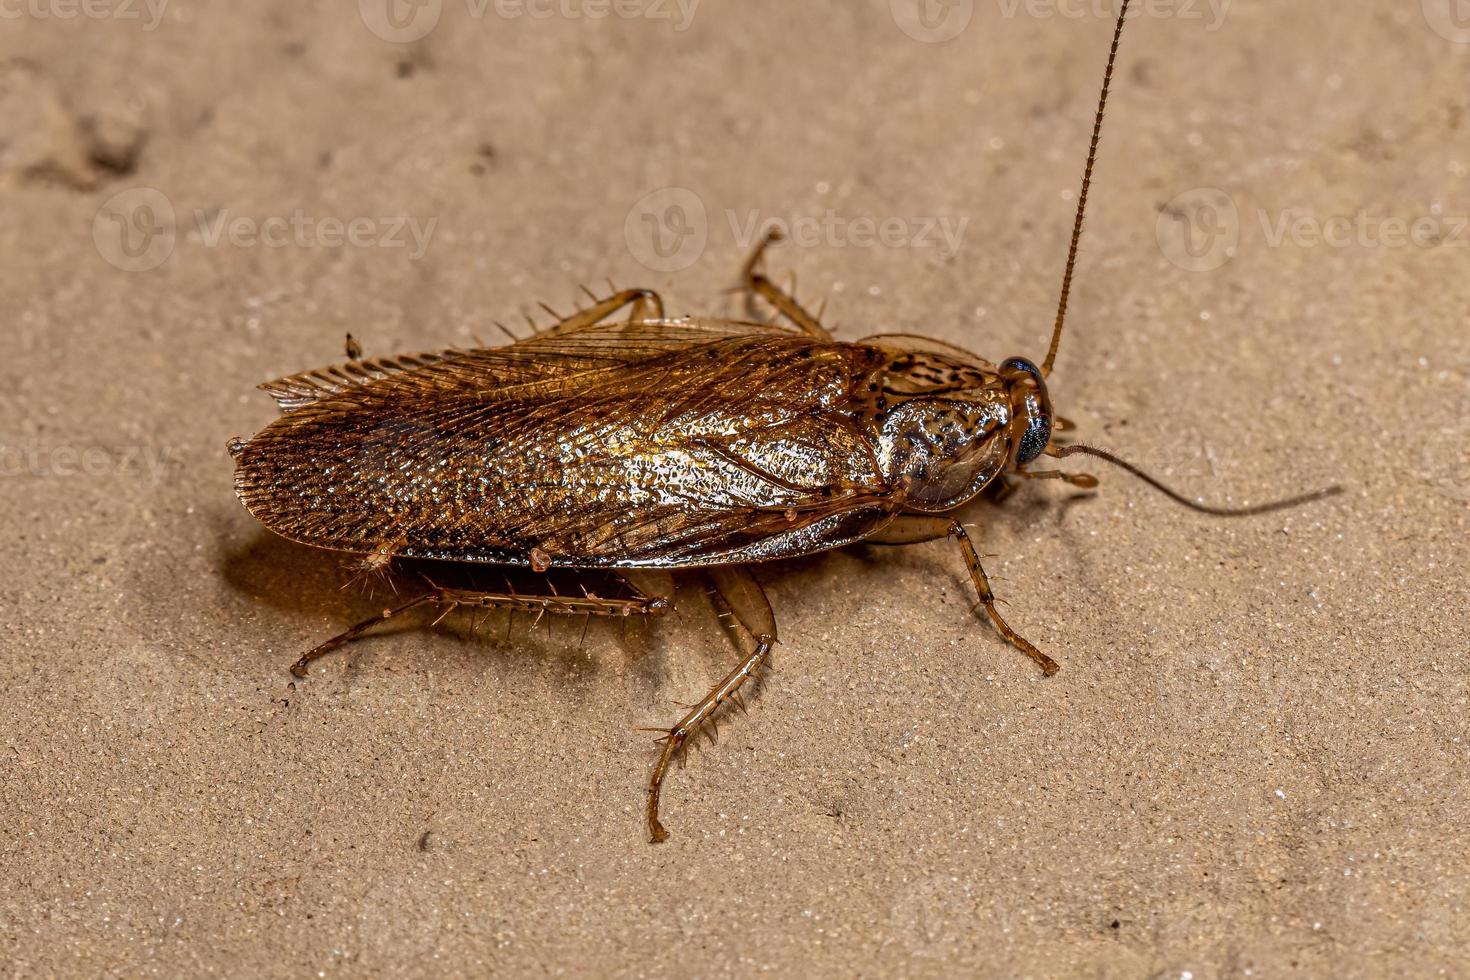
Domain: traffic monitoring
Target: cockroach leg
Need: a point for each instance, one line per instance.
(448, 600)
(987, 599)
(785, 303)
(746, 602)
(649, 583)
(911, 529)
(1001, 489)
(915, 529)
(647, 305)
(754, 630)
(1083, 481)
(302, 666)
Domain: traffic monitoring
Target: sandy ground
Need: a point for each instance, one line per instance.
(1254, 761)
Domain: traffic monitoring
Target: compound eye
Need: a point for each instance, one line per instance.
(1033, 443)
(1033, 402)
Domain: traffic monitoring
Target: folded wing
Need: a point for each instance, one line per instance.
(665, 443)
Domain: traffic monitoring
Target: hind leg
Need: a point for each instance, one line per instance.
(639, 603)
(755, 632)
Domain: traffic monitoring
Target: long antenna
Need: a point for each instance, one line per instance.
(1060, 452)
(1102, 103)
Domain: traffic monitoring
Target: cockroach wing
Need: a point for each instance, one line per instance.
(301, 389)
(662, 443)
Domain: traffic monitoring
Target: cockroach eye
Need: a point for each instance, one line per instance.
(1032, 407)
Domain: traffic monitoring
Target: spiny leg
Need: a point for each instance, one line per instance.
(756, 633)
(448, 600)
(911, 529)
(784, 302)
(647, 305)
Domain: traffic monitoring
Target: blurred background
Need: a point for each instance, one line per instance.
(1253, 761)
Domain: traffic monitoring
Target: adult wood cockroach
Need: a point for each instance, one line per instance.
(644, 444)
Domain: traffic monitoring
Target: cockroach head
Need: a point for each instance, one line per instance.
(1030, 408)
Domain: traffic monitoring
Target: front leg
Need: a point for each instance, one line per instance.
(914, 529)
(758, 283)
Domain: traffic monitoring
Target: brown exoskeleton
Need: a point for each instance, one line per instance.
(644, 444)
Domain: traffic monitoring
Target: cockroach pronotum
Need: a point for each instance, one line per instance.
(640, 444)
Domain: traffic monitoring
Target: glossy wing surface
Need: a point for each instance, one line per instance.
(669, 443)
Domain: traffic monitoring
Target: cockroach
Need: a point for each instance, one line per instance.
(626, 441)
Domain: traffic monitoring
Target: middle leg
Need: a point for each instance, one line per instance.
(755, 633)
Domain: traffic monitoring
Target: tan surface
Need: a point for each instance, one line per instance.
(1254, 757)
